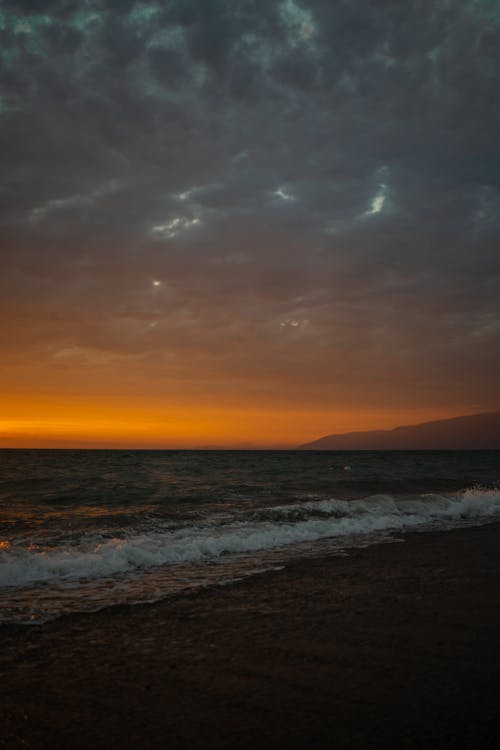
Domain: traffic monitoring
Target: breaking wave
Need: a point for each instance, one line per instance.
(268, 528)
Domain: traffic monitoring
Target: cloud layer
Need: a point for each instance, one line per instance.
(276, 203)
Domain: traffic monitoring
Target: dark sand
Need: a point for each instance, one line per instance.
(395, 646)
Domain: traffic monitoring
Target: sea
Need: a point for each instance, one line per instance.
(81, 530)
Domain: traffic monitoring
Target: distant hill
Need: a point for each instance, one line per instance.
(460, 433)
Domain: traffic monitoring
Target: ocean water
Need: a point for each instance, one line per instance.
(82, 530)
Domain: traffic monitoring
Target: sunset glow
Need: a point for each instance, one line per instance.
(228, 227)
(187, 427)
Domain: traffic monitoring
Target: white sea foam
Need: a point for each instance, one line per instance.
(284, 525)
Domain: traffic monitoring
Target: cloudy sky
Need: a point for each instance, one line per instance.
(246, 221)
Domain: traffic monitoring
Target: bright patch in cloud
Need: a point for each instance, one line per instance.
(300, 22)
(284, 194)
(378, 204)
(82, 18)
(378, 200)
(293, 323)
(186, 195)
(83, 199)
(173, 227)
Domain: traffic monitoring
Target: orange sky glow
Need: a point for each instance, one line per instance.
(52, 423)
(85, 373)
(73, 377)
(237, 227)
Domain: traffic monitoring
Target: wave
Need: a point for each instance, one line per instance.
(270, 528)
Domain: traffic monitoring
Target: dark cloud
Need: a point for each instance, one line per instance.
(312, 184)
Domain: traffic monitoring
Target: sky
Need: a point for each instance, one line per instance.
(246, 222)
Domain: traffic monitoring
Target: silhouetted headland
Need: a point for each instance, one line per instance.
(474, 432)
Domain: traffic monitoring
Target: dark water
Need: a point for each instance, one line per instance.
(84, 529)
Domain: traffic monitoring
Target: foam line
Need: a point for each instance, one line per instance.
(275, 527)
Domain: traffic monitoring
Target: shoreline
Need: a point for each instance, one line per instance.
(393, 645)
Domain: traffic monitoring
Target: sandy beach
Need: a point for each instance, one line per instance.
(394, 645)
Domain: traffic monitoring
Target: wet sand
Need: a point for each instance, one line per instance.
(394, 646)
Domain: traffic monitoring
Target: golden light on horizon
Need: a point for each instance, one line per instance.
(85, 424)
(189, 257)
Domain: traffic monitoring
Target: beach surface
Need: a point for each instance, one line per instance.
(395, 645)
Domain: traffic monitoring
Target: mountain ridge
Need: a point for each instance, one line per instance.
(466, 432)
